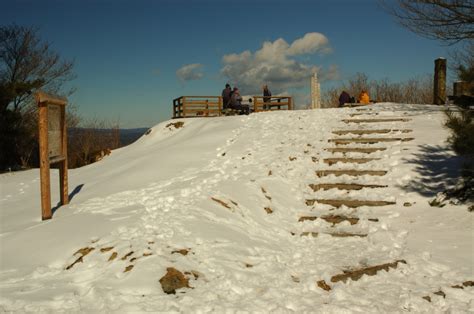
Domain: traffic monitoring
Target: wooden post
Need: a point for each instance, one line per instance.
(254, 104)
(220, 105)
(44, 163)
(184, 106)
(174, 108)
(63, 179)
(439, 88)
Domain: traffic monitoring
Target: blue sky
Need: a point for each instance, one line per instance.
(128, 53)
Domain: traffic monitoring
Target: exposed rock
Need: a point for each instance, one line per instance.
(323, 285)
(173, 280)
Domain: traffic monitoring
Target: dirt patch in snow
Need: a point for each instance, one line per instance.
(83, 252)
(181, 251)
(220, 202)
(176, 125)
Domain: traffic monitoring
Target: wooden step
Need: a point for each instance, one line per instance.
(362, 113)
(331, 161)
(344, 186)
(333, 234)
(348, 203)
(347, 234)
(363, 150)
(344, 141)
(375, 120)
(356, 274)
(354, 173)
(335, 219)
(380, 131)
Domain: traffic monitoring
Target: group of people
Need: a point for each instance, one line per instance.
(232, 99)
(345, 98)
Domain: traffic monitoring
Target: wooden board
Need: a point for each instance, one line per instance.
(55, 147)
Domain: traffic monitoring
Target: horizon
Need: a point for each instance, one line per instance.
(133, 58)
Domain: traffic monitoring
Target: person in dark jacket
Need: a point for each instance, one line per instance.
(236, 102)
(226, 93)
(266, 97)
(344, 98)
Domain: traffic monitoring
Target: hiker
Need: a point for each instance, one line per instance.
(226, 94)
(266, 97)
(344, 98)
(236, 102)
(364, 97)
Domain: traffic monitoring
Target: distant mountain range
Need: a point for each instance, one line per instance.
(127, 136)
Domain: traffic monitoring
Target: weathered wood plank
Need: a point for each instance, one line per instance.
(321, 173)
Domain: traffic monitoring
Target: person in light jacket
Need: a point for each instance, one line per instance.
(236, 102)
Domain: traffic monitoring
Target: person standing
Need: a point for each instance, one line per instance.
(266, 97)
(226, 94)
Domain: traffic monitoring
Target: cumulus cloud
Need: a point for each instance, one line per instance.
(310, 43)
(190, 72)
(275, 64)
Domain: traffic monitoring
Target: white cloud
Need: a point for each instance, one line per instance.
(310, 43)
(275, 64)
(190, 72)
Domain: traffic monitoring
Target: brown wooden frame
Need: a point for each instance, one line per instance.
(44, 101)
(275, 103)
(197, 106)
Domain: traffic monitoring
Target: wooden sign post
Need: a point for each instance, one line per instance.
(52, 148)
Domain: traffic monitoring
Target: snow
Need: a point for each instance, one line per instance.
(155, 196)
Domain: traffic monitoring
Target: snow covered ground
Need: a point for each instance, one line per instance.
(231, 191)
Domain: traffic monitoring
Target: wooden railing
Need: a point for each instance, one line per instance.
(272, 103)
(197, 106)
(211, 106)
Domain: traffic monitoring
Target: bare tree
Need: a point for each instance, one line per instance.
(450, 21)
(413, 91)
(27, 64)
(92, 141)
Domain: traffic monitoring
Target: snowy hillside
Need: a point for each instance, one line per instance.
(251, 211)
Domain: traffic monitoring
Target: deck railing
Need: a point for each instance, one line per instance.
(266, 103)
(197, 106)
(211, 106)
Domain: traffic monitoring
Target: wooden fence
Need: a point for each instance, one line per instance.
(197, 106)
(272, 103)
(211, 106)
